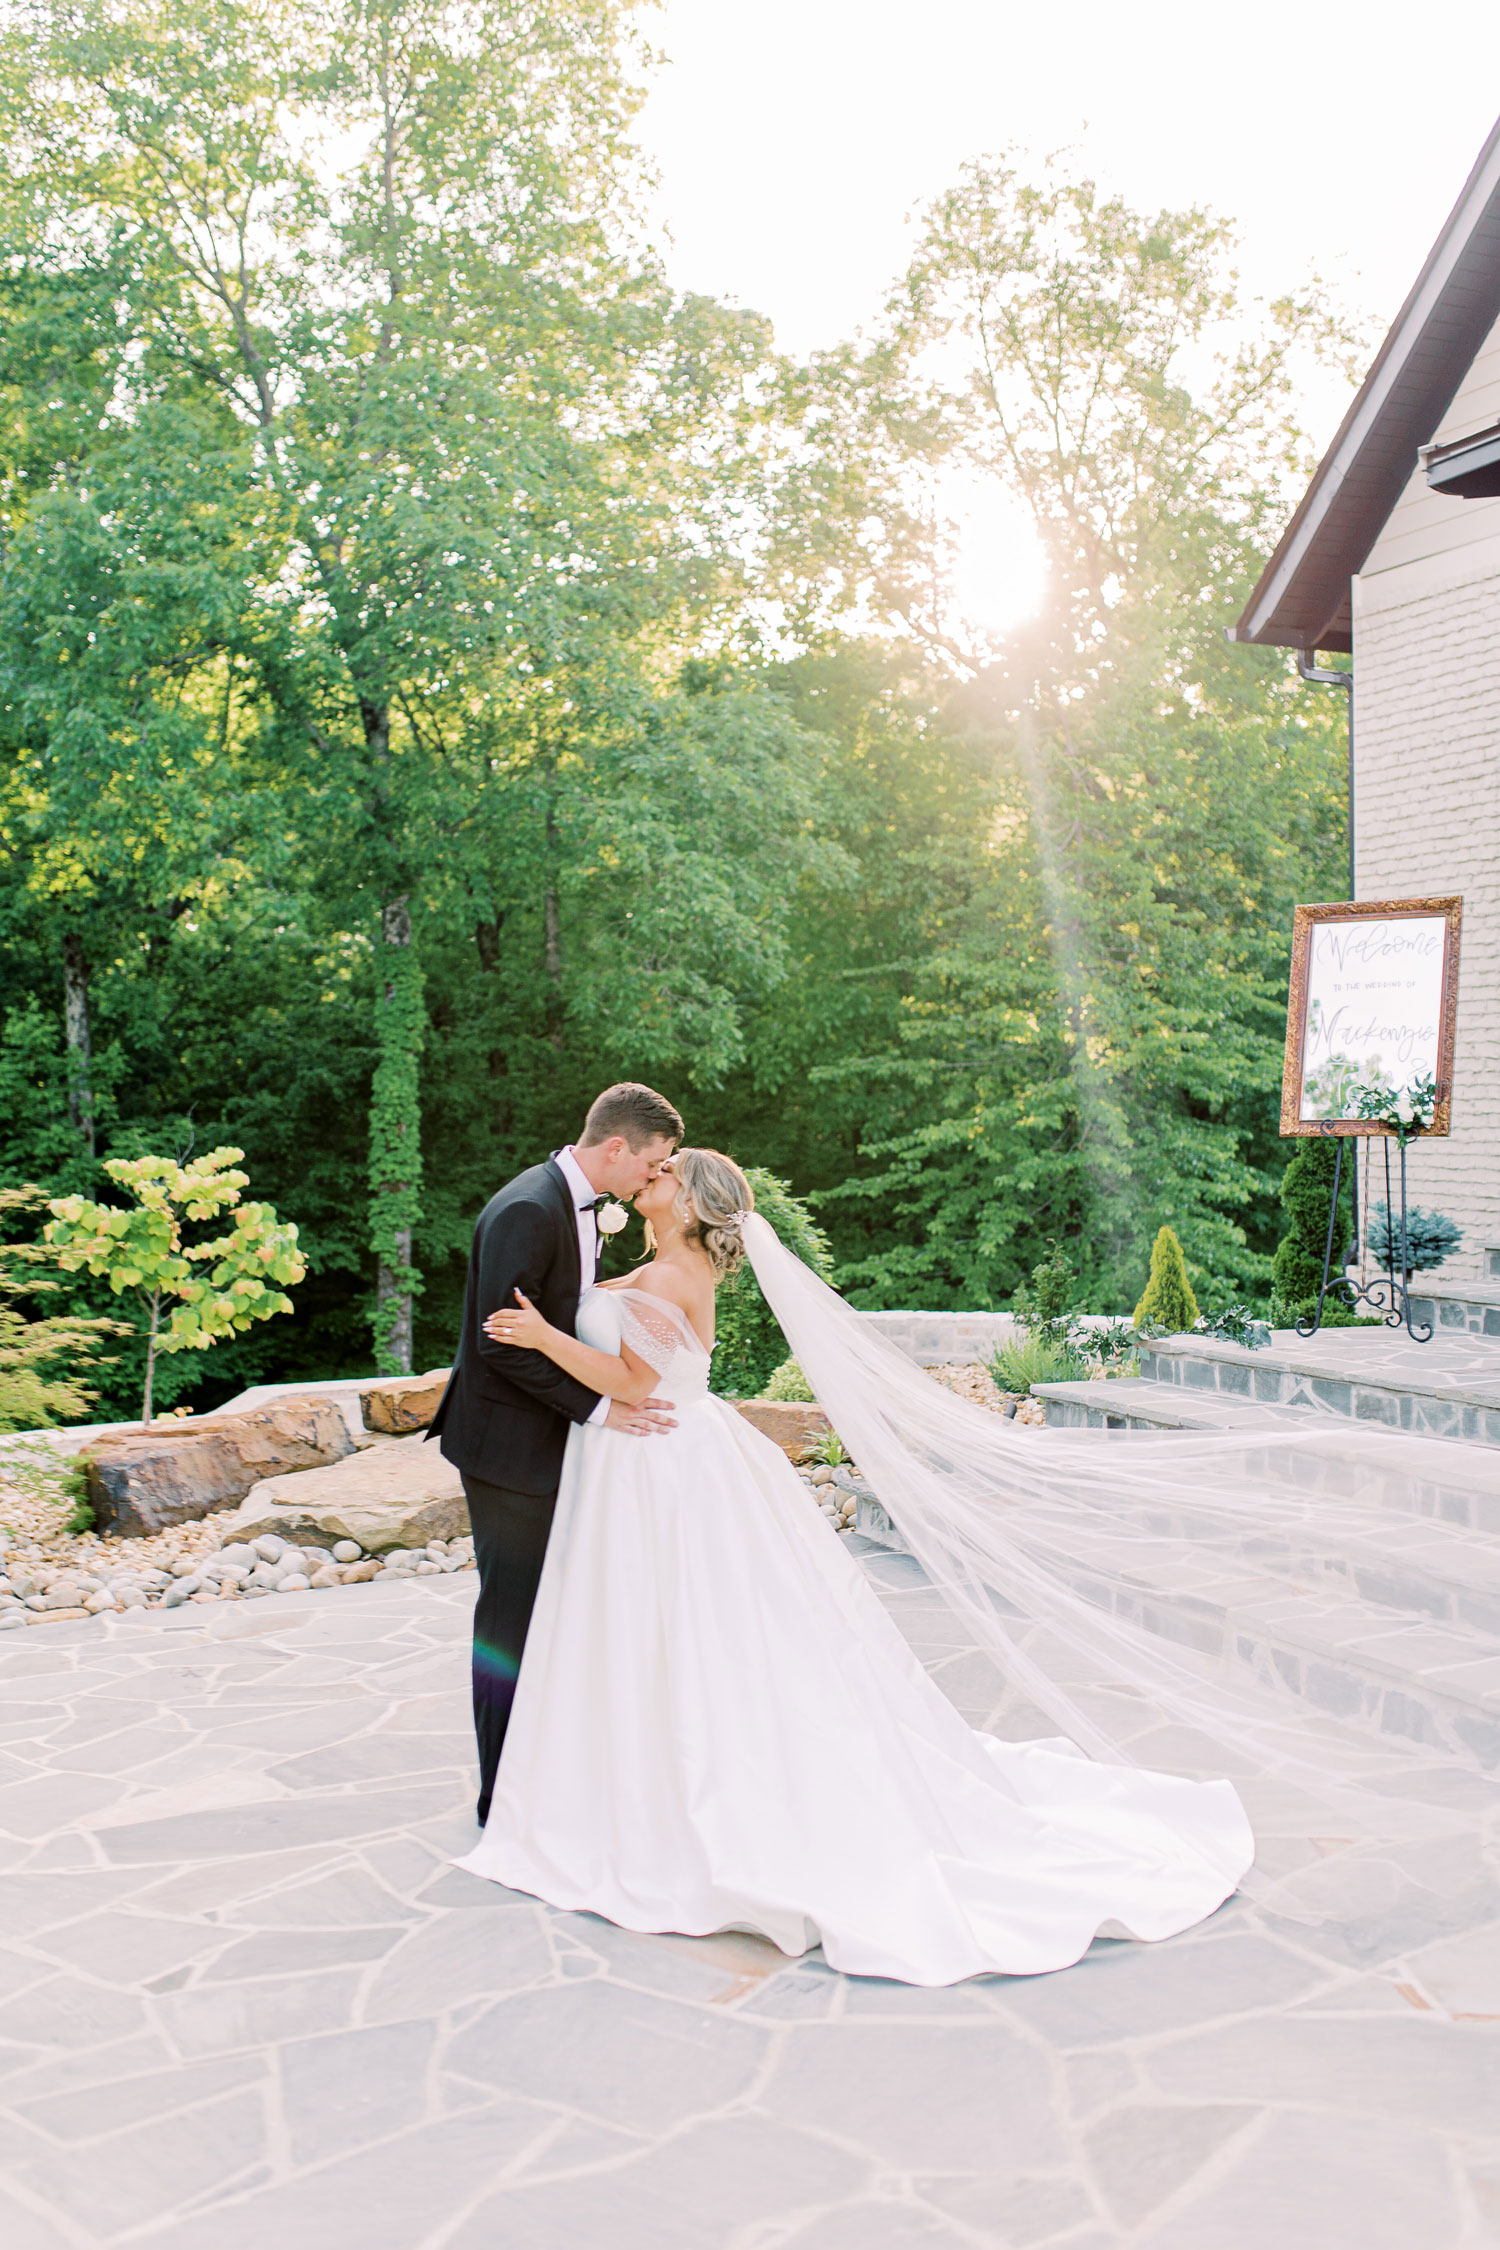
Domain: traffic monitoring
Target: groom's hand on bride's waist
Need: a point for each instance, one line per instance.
(653, 1417)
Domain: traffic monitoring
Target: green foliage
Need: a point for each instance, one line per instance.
(396, 1148)
(213, 1286)
(827, 1452)
(1035, 1357)
(52, 1478)
(1431, 1238)
(415, 554)
(1088, 1027)
(1406, 1109)
(1043, 1308)
(1236, 1324)
(1168, 1304)
(33, 1394)
(1306, 1198)
(750, 1343)
(788, 1382)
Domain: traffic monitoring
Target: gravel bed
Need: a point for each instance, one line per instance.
(49, 1575)
(973, 1381)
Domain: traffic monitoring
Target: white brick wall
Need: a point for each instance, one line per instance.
(1427, 815)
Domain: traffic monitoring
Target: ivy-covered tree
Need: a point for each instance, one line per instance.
(420, 434)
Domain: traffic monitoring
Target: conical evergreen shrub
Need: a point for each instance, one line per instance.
(1169, 1301)
(1297, 1268)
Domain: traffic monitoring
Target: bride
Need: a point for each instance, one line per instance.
(717, 1726)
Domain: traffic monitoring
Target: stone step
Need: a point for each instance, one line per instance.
(1396, 1626)
(1337, 1641)
(1132, 1402)
(1464, 1500)
(1457, 1308)
(1435, 1682)
(1449, 1387)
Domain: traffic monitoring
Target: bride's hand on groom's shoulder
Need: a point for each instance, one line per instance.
(519, 1324)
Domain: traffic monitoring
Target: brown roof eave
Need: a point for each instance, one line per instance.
(1303, 599)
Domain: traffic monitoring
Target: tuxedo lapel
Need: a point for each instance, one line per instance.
(569, 1218)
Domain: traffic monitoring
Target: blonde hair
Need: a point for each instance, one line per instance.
(713, 1200)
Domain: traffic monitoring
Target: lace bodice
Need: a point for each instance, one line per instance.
(661, 1335)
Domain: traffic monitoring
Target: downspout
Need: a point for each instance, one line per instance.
(1319, 676)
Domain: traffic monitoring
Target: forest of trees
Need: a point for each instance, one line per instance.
(442, 670)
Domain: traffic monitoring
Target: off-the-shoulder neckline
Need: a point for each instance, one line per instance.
(664, 1304)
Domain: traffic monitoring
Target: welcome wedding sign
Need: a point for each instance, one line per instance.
(1372, 1008)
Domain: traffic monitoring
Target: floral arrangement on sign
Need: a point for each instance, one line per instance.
(1408, 1110)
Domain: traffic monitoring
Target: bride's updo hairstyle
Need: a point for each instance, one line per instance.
(713, 1199)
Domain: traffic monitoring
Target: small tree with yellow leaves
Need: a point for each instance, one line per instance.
(192, 1293)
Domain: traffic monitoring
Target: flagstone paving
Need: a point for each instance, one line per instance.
(246, 2000)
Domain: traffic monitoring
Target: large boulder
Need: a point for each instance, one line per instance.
(787, 1422)
(140, 1483)
(399, 1492)
(402, 1402)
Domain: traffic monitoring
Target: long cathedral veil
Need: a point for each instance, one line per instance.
(1129, 1587)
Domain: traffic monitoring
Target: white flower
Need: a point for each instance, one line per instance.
(611, 1218)
(1404, 1109)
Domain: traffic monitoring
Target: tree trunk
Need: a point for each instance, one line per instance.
(80, 1045)
(395, 1138)
(151, 1359)
(552, 940)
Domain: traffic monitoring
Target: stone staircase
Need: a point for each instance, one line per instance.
(1394, 1624)
(1449, 1387)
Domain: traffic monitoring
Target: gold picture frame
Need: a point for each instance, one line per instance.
(1358, 986)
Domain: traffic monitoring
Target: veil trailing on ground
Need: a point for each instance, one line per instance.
(1130, 1588)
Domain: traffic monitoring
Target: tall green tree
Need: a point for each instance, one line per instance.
(403, 430)
(1100, 1030)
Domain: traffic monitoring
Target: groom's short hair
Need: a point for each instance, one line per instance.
(636, 1113)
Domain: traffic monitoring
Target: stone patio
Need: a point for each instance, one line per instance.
(247, 2001)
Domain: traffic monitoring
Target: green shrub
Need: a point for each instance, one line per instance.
(41, 1474)
(789, 1382)
(751, 1346)
(1033, 1358)
(1236, 1324)
(42, 1362)
(1168, 1304)
(1431, 1238)
(1042, 1308)
(1297, 1268)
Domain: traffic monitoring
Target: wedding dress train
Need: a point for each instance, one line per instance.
(718, 1726)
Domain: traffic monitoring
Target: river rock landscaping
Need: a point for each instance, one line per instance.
(51, 1575)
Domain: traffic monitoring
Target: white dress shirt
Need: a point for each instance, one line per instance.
(583, 1193)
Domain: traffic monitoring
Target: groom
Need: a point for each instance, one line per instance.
(504, 1416)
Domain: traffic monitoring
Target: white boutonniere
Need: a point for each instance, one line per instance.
(612, 1218)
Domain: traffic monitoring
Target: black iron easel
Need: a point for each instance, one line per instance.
(1385, 1294)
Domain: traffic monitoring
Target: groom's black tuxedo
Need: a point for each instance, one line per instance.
(505, 1413)
(503, 1423)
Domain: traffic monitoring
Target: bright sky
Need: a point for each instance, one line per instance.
(795, 136)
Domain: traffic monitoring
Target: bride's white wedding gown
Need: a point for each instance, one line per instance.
(717, 1726)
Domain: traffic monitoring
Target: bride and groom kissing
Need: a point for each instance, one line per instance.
(692, 1711)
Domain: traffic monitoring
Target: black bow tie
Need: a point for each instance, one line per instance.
(597, 1205)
